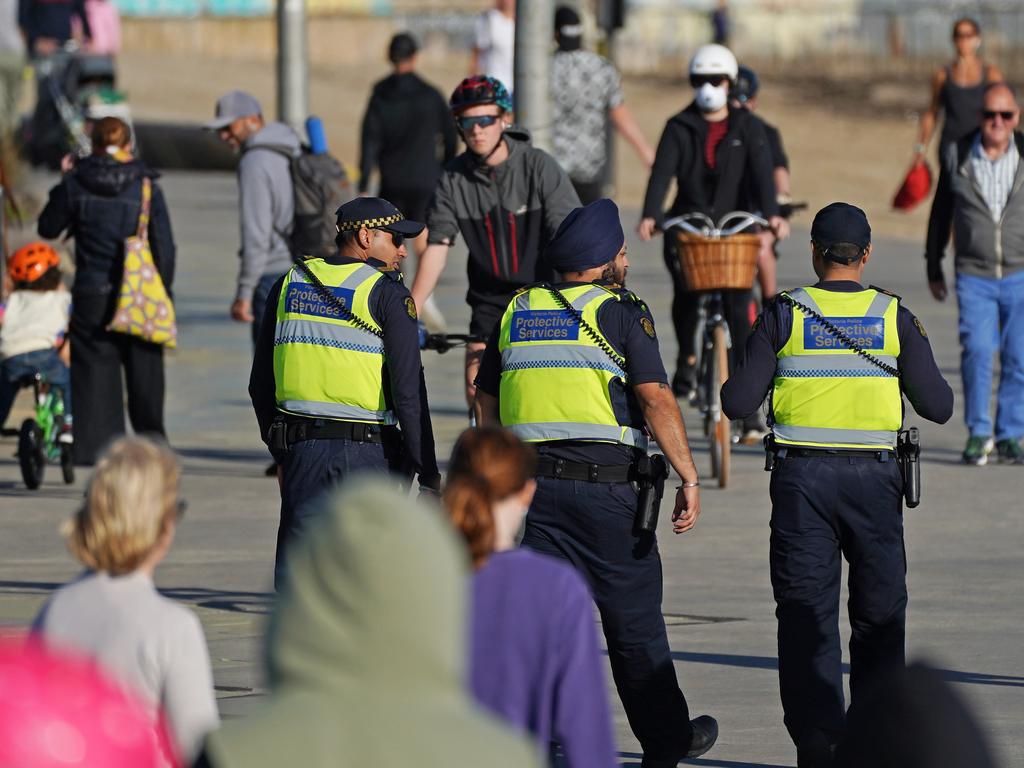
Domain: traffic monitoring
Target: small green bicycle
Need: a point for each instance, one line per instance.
(38, 439)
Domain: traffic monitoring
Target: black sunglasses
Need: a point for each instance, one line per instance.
(484, 121)
(697, 81)
(990, 114)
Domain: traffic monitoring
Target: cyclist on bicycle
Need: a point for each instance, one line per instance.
(745, 97)
(33, 338)
(505, 197)
(716, 154)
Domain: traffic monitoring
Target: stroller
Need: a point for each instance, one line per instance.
(73, 89)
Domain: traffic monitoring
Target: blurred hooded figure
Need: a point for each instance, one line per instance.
(367, 651)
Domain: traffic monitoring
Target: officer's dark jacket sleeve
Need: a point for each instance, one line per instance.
(390, 302)
(261, 379)
(922, 382)
(747, 387)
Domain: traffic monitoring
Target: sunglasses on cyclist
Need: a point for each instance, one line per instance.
(696, 81)
(484, 121)
(990, 114)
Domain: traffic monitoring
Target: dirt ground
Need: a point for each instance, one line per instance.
(835, 153)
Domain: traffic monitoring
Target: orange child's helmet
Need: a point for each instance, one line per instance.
(31, 262)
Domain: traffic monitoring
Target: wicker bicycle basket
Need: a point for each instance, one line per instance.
(710, 264)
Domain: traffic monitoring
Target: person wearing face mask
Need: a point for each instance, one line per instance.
(719, 157)
(505, 197)
(337, 368)
(574, 368)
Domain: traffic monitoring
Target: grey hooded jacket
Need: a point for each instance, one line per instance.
(265, 206)
(984, 247)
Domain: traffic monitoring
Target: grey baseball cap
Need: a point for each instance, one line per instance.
(231, 106)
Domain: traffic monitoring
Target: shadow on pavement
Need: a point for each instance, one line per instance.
(709, 762)
(234, 601)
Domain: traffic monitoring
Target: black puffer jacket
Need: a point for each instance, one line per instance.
(742, 174)
(98, 205)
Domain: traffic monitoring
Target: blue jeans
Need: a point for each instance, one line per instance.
(19, 367)
(991, 321)
(259, 301)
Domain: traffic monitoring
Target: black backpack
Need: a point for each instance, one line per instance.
(319, 187)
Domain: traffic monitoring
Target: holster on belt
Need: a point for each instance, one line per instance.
(277, 436)
(908, 452)
(651, 473)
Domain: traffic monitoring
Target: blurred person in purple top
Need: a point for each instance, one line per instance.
(535, 659)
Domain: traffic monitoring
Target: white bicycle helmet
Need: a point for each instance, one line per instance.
(714, 59)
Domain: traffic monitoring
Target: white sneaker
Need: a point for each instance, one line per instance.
(65, 437)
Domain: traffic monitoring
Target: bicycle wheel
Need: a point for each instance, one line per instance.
(30, 454)
(67, 464)
(721, 443)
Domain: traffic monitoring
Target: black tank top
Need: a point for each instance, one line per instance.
(961, 106)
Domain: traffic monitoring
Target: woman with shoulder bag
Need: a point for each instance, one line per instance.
(110, 204)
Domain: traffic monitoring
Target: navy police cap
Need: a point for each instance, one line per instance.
(840, 223)
(375, 213)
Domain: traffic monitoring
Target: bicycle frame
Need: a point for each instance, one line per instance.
(49, 415)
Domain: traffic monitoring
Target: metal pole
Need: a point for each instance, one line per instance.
(535, 34)
(292, 63)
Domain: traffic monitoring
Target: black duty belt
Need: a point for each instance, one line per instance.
(357, 431)
(786, 452)
(562, 469)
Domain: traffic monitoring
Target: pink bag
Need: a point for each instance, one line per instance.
(105, 25)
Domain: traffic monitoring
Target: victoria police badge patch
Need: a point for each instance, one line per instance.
(410, 307)
(920, 328)
(648, 326)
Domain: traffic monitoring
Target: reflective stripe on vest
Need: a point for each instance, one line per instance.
(555, 379)
(827, 395)
(324, 366)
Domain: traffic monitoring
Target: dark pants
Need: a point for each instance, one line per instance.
(822, 509)
(18, 368)
(589, 191)
(97, 357)
(309, 469)
(686, 312)
(591, 526)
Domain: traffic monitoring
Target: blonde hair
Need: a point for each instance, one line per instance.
(131, 498)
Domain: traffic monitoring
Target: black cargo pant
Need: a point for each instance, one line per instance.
(97, 359)
(591, 526)
(822, 509)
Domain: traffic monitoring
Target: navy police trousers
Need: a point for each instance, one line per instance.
(822, 508)
(309, 469)
(591, 526)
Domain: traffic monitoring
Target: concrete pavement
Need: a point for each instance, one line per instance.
(964, 542)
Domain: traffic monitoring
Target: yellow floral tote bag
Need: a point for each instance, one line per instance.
(144, 308)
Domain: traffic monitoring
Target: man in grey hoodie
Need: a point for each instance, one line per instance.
(265, 204)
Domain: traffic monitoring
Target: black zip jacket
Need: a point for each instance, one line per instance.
(506, 213)
(742, 174)
(408, 133)
(98, 204)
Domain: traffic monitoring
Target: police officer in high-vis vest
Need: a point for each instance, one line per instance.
(835, 410)
(337, 367)
(575, 369)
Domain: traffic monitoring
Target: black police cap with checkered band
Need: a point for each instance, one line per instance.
(375, 213)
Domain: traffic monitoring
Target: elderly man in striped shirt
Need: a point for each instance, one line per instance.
(982, 200)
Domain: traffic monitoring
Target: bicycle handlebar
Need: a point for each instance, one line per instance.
(442, 342)
(709, 229)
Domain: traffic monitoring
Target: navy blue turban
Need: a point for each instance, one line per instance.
(589, 237)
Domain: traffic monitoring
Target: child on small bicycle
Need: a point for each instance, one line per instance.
(35, 321)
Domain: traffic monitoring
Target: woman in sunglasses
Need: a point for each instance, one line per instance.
(505, 197)
(957, 91)
(113, 613)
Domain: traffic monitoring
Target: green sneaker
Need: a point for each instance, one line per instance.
(1010, 451)
(977, 450)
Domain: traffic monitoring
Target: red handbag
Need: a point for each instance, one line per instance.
(914, 189)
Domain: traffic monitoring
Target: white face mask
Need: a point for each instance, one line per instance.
(711, 98)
